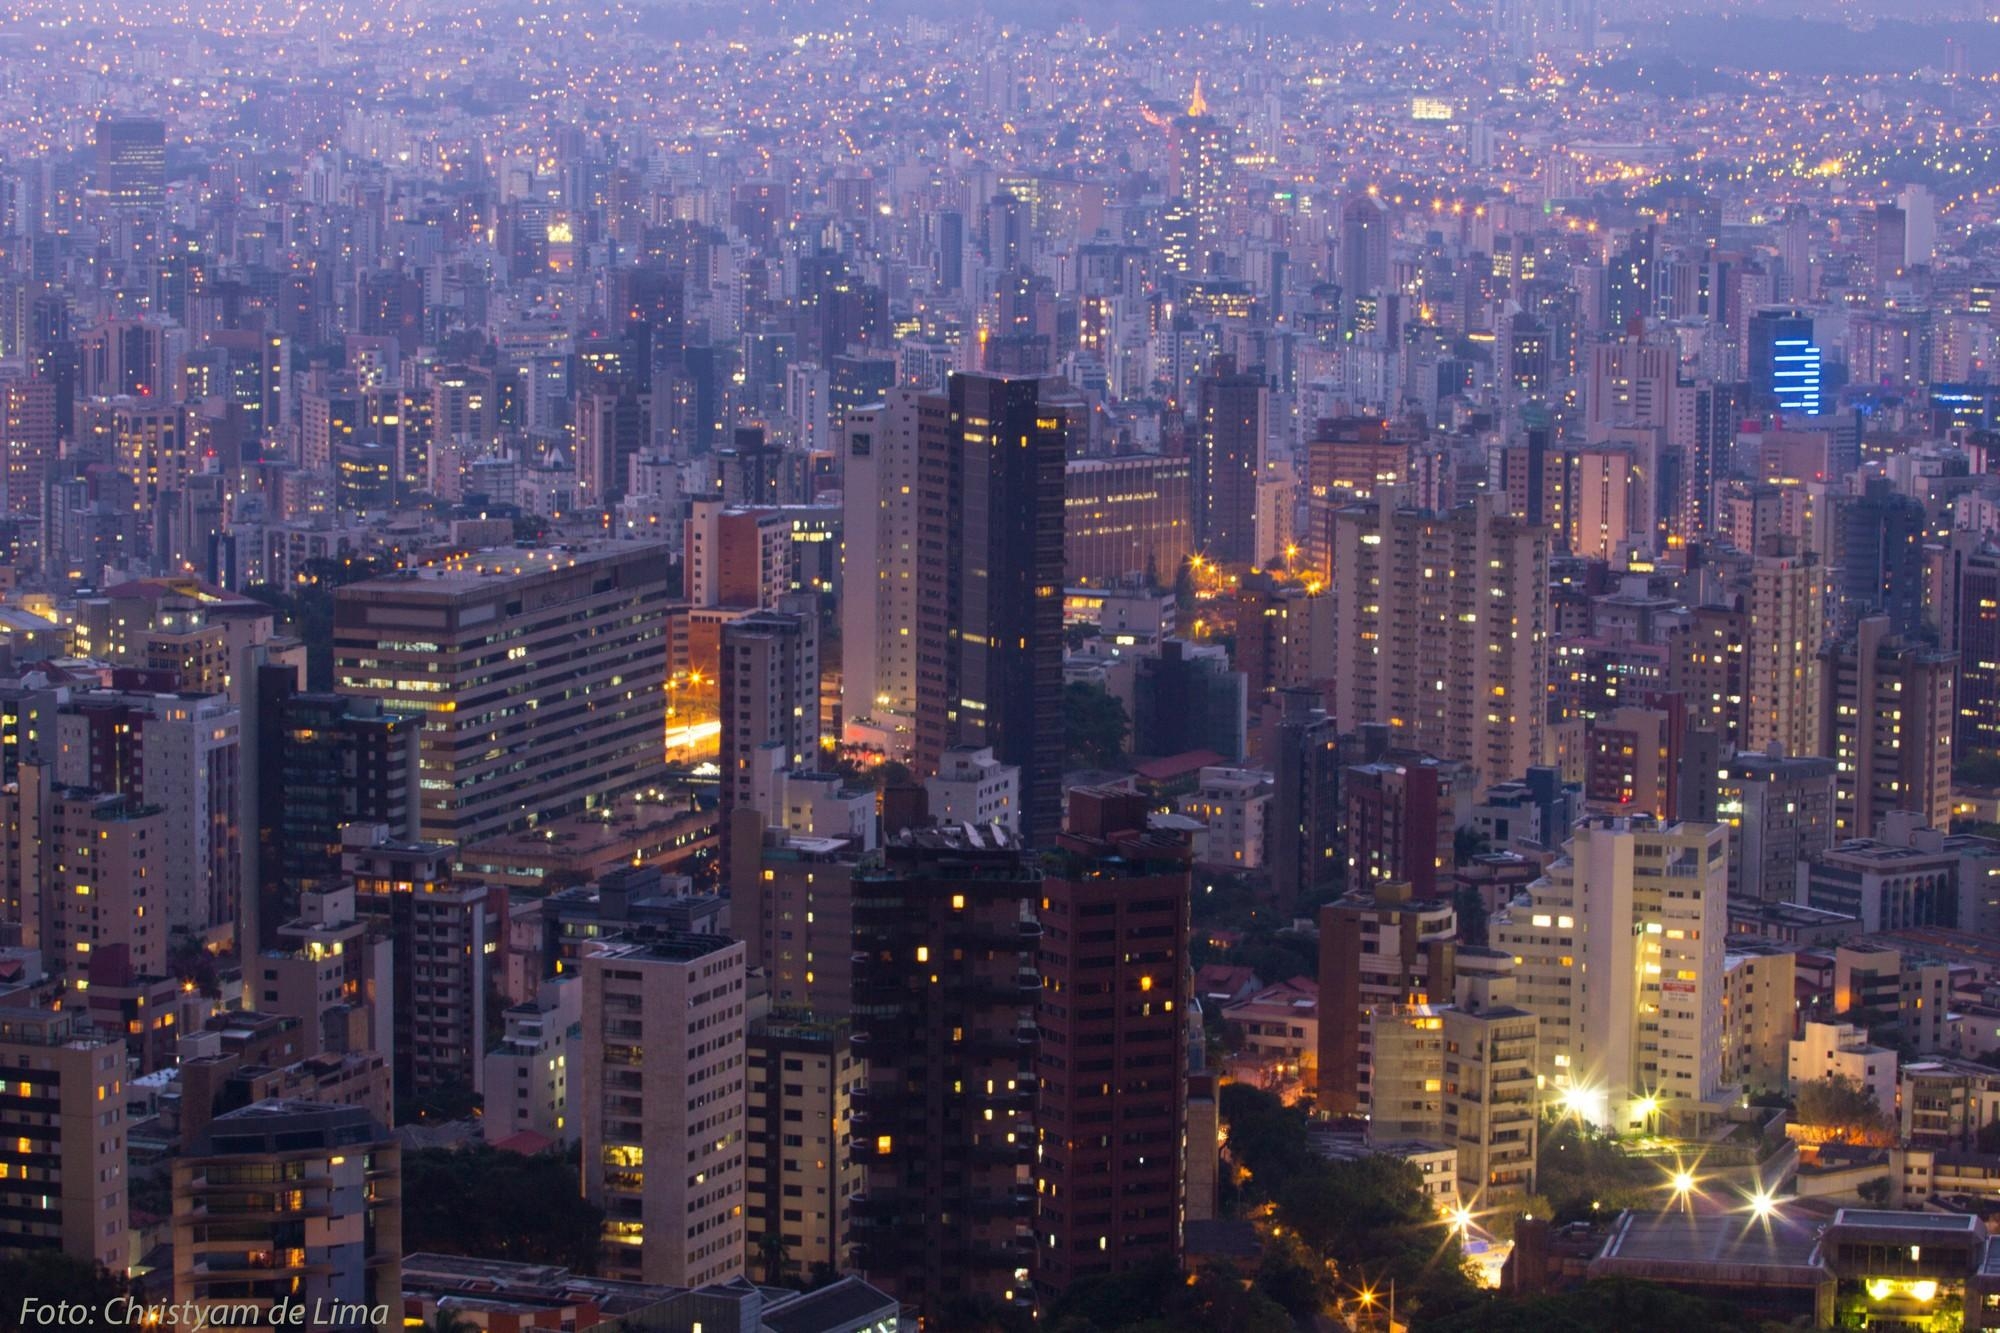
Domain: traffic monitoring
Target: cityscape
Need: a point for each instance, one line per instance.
(839, 666)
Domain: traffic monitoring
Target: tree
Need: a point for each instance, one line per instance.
(52, 1277)
(1470, 904)
(772, 1250)
(1584, 1173)
(1467, 842)
(501, 1205)
(1843, 1108)
(1296, 1278)
(1094, 726)
(448, 1320)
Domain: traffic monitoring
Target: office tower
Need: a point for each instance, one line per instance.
(1399, 815)
(1621, 948)
(1781, 651)
(736, 557)
(1705, 667)
(449, 937)
(63, 1100)
(529, 1072)
(1305, 844)
(942, 1129)
(1110, 1116)
(328, 1244)
(988, 617)
(313, 763)
(1198, 167)
(130, 162)
(799, 1178)
(1377, 948)
(663, 1105)
(1441, 621)
(1963, 597)
(1879, 538)
(1231, 411)
(1784, 361)
(581, 630)
(179, 753)
(1886, 718)
(1126, 517)
(1364, 248)
(1716, 410)
(770, 702)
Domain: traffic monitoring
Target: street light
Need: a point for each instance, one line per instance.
(1683, 1183)
(1762, 1205)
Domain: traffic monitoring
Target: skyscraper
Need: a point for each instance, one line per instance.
(945, 995)
(1781, 651)
(1230, 426)
(1785, 360)
(130, 162)
(1111, 1111)
(1364, 248)
(989, 575)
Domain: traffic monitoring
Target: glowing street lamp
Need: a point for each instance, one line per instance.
(1683, 1183)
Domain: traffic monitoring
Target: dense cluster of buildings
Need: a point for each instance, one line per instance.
(734, 631)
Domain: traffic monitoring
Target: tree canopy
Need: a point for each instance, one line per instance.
(1094, 726)
(1841, 1106)
(499, 1205)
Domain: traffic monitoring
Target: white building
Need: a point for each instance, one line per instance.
(1829, 1049)
(1235, 804)
(1621, 949)
(972, 787)
(528, 1073)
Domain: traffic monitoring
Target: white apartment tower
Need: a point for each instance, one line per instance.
(1621, 958)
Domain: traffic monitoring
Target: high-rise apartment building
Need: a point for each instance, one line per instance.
(1621, 949)
(1781, 651)
(945, 993)
(799, 1178)
(1887, 715)
(1377, 949)
(62, 1098)
(296, 1205)
(538, 673)
(1780, 810)
(770, 702)
(1112, 1106)
(878, 605)
(449, 942)
(663, 1105)
(1441, 623)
